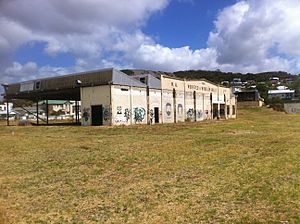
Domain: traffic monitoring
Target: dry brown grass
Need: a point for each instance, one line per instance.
(236, 171)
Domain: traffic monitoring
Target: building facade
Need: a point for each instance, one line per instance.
(111, 97)
(149, 99)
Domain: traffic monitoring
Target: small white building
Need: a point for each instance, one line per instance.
(284, 94)
(3, 111)
(3, 106)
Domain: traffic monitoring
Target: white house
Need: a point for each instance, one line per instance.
(285, 94)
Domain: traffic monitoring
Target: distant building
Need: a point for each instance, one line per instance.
(274, 80)
(3, 111)
(28, 112)
(64, 107)
(285, 94)
(249, 99)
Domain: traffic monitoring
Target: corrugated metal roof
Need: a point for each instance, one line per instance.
(67, 87)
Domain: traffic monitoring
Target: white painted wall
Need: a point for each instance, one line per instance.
(129, 105)
(200, 114)
(121, 105)
(97, 95)
(189, 106)
(167, 106)
(180, 106)
(155, 101)
(207, 107)
(139, 105)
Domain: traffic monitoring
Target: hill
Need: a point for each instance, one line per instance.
(219, 76)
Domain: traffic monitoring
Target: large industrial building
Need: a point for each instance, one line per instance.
(111, 97)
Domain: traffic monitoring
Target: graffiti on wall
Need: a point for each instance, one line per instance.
(127, 114)
(199, 114)
(139, 114)
(190, 113)
(168, 109)
(151, 115)
(207, 114)
(119, 110)
(106, 113)
(179, 110)
(119, 115)
(86, 114)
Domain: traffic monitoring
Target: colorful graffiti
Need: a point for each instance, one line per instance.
(139, 114)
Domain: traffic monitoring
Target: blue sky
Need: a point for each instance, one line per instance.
(48, 38)
(185, 23)
(182, 23)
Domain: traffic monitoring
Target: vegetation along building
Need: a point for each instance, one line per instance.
(111, 97)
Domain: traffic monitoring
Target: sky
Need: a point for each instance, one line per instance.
(42, 38)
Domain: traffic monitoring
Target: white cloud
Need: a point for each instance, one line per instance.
(20, 72)
(172, 59)
(258, 34)
(87, 29)
(249, 36)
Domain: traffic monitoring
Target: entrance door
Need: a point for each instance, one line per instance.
(97, 115)
(156, 115)
(215, 111)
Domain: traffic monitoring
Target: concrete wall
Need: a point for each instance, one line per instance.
(167, 106)
(125, 105)
(139, 105)
(121, 102)
(292, 108)
(155, 101)
(200, 114)
(180, 106)
(129, 105)
(97, 95)
(189, 106)
(249, 104)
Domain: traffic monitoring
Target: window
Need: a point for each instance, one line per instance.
(124, 89)
(37, 85)
(143, 80)
(228, 110)
(233, 110)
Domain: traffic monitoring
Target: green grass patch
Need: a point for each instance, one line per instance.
(245, 170)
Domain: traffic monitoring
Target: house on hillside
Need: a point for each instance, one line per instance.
(28, 112)
(284, 94)
(249, 99)
(274, 80)
(4, 108)
(60, 107)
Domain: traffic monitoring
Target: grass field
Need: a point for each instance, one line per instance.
(233, 171)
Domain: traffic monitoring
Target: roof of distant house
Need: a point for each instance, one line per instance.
(55, 102)
(281, 91)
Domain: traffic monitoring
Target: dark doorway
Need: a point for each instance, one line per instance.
(97, 115)
(156, 115)
(215, 111)
(222, 111)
